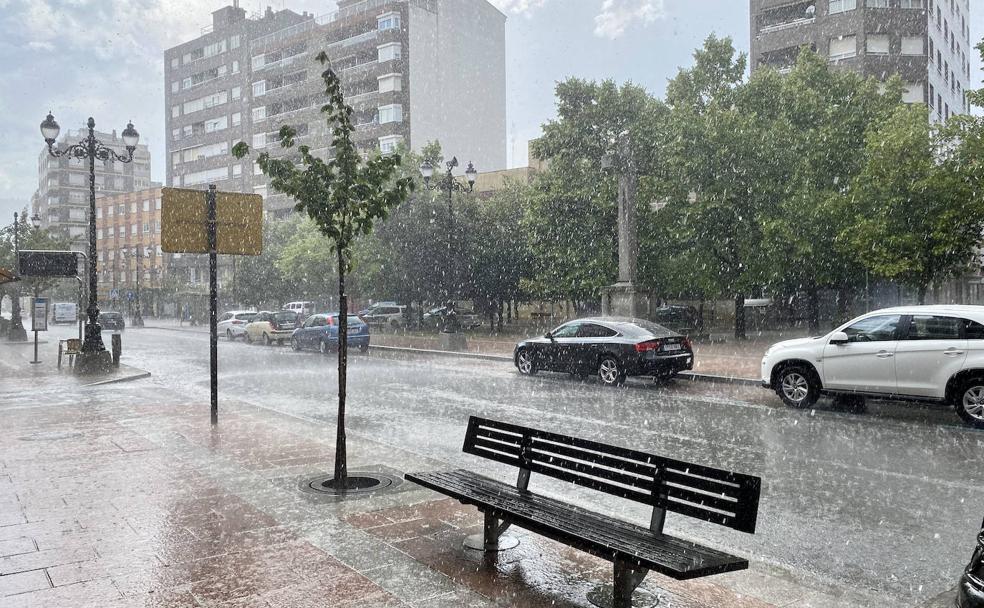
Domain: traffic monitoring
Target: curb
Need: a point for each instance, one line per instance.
(138, 375)
(692, 376)
(440, 353)
(188, 330)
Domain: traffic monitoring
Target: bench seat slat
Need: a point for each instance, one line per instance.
(586, 530)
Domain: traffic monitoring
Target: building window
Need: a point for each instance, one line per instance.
(99, 234)
(259, 114)
(237, 118)
(157, 204)
(390, 82)
(99, 213)
(146, 205)
(843, 47)
(258, 62)
(913, 93)
(146, 228)
(390, 113)
(236, 92)
(121, 209)
(389, 52)
(877, 44)
(259, 88)
(912, 45)
(387, 145)
(876, 3)
(133, 207)
(175, 111)
(259, 141)
(174, 86)
(237, 170)
(234, 42)
(840, 6)
(388, 21)
(235, 67)
(913, 4)
(174, 63)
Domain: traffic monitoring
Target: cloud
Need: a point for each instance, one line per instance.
(518, 7)
(617, 15)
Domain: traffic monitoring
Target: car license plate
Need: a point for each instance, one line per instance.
(672, 347)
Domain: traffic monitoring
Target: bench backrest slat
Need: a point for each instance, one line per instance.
(715, 495)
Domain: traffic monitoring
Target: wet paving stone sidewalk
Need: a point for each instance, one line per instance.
(144, 504)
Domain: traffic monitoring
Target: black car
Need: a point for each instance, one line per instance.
(112, 321)
(611, 347)
(970, 592)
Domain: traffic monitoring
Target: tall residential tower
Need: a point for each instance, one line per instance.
(925, 42)
(414, 71)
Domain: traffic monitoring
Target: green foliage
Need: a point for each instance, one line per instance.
(917, 219)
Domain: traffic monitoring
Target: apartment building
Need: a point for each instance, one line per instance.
(128, 246)
(925, 42)
(414, 71)
(62, 197)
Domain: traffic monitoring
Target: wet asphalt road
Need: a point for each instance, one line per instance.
(883, 503)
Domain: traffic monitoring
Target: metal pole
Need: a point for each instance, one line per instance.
(138, 318)
(34, 323)
(212, 297)
(17, 331)
(93, 332)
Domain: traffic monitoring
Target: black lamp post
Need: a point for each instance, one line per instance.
(17, 332)
(94, 355)
(449, 184)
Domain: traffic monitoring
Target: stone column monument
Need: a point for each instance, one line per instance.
(623, 299)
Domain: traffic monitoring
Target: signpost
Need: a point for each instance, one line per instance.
(39, 321)
(196, 221)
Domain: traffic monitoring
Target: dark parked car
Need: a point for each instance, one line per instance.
(676, 316)
(611, 347)
(112, 321)
(435, 318)
(970, 592)
(321, 332)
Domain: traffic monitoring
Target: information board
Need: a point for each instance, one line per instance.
(39, 320)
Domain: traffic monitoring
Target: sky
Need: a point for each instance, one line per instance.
(104, 58)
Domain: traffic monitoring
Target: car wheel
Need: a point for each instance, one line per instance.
(798, 386)
(854, 404)
(323, 347)
(294, 344)
(525, 363)
(610, 371)
(266, 340)
(363, 348)
(249, 339)
(280, 342)
(970, 402)
(394, 324)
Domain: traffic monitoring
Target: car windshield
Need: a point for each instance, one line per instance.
(285, 316)
(246, 316)
(352, 320)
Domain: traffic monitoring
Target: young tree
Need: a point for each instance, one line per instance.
(344, 196)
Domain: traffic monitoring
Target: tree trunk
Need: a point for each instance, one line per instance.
(923, 288)
(813, 309)
(740, 316)
(700, 318)
(499, 310)
(509, 311)
(341, 464)
(843, 299)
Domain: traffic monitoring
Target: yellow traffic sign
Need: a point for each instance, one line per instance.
(238, 219)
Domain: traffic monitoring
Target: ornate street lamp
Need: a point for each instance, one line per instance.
(17, 332)
(94, 356)
(449, 184)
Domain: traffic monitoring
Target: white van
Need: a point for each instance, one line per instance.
(64, 312)
(304, 309)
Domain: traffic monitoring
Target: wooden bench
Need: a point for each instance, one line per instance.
(72, 348)
(713, 495)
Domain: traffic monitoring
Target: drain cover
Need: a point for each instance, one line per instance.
(357, 483)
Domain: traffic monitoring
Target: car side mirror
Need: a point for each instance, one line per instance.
(839, 337)
(548, 336)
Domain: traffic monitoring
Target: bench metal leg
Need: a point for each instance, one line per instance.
(625, 592)
(492, 538)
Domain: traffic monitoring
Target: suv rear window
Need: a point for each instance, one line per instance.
(929, 327)
(285, 315)
(246, 316)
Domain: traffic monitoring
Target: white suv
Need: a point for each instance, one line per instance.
(385, 316)
(920, 353)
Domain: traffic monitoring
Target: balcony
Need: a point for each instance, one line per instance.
(778, 27)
